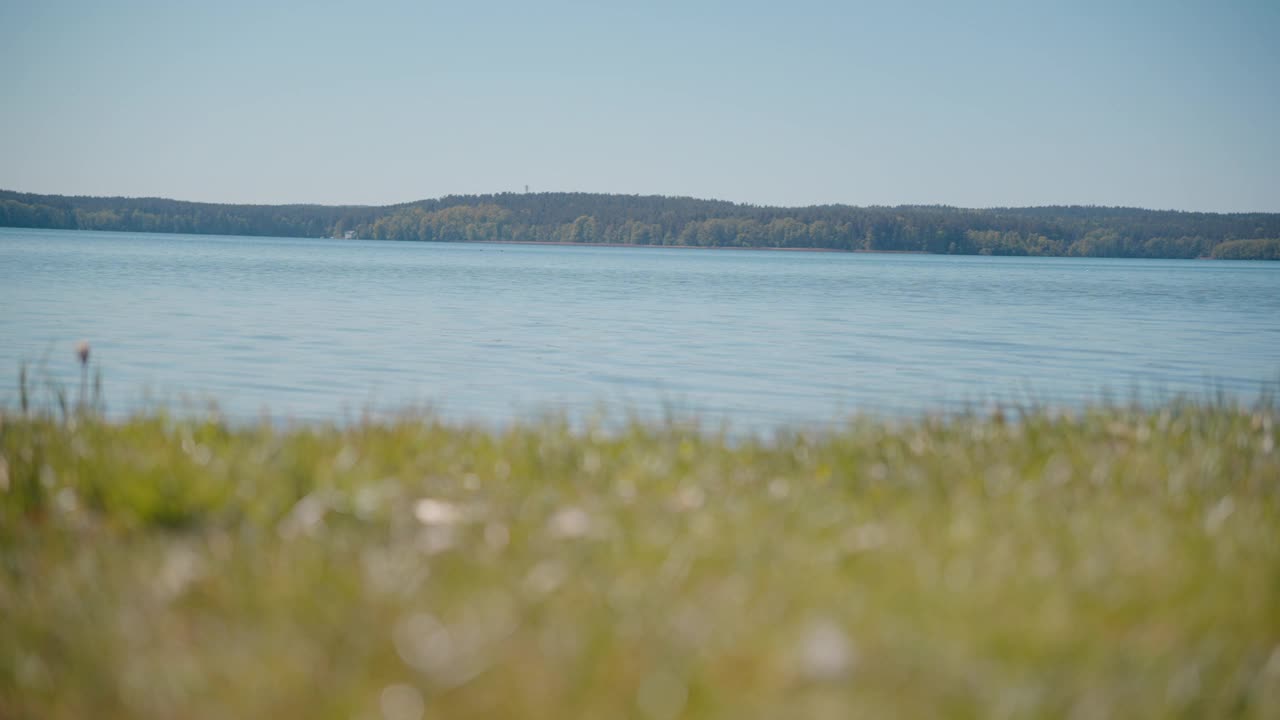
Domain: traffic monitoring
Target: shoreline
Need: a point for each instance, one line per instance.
(656, 247)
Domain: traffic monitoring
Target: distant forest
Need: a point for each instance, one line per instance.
(679, 221)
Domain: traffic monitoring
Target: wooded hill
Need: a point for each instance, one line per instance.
(658, 220)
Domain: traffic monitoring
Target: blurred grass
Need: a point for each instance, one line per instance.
(1119, 563)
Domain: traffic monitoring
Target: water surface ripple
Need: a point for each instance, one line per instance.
(318, 328)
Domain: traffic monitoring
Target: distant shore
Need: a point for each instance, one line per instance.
(661, 221)
(676, 247)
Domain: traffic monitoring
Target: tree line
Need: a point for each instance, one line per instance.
(587, 218)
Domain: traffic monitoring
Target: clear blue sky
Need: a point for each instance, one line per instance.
(1164, 104)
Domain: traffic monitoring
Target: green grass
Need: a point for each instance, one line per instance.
(1118, 563)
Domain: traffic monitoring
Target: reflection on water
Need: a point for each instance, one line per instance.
(313, 328)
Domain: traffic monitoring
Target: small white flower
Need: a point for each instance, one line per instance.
(545, 577)
(690, 497)
(825, 652)
(571, 522)
(436, 512)
(306, 517)
(863, 538)
(401, 702)
(1218, 515)
(779, 489)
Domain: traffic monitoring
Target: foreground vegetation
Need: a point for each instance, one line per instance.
(687, 222)
(1117, 563)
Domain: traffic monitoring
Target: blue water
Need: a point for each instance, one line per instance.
(314, 329)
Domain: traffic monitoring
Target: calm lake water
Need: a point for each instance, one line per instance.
(323, 328)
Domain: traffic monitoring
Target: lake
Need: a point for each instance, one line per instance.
(323, 329)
